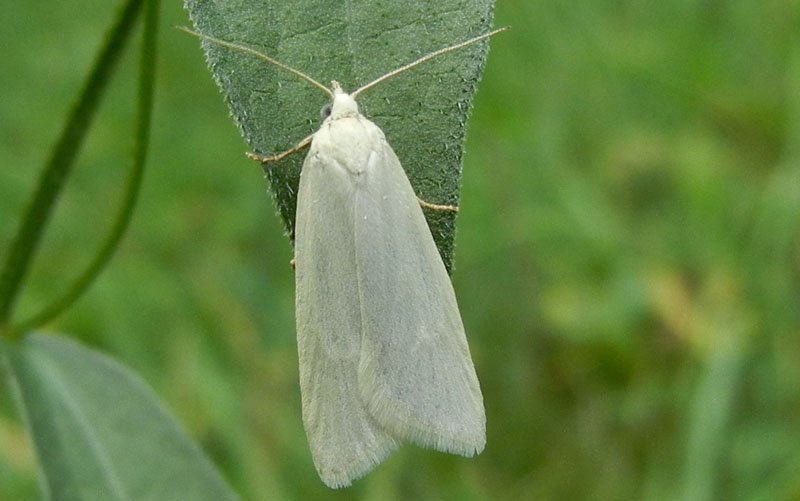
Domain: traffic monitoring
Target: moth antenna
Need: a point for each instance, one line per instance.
(423, 59)
(261, 56)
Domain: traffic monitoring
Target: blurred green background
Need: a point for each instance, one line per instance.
(627, 262)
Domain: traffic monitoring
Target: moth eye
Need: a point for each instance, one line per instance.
(325, 112)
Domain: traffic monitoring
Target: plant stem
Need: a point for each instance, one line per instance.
(62, 157)
(134, 182)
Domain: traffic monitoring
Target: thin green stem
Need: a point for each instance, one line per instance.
(62, 157)
(134, 182)
(711, 413)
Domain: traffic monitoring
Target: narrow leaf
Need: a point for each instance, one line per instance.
(62, 158)
(99, 432)
(423, 112)
(132, 186)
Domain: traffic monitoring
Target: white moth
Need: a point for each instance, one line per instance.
(383, 354)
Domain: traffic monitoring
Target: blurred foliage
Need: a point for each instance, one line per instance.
(627, 261)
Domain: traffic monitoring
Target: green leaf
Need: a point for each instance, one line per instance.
(62, 158)
(99, 432)
(423, 112)
(133, 184)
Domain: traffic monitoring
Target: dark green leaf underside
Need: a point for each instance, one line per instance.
(423, 112)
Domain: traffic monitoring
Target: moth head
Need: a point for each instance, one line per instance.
(325, 112)
(343, 104)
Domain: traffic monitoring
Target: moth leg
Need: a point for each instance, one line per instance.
(427, 205)
(280, 156)
(292, 264)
